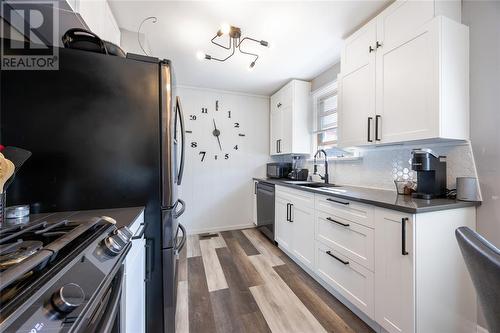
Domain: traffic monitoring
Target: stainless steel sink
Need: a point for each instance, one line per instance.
(319, 185)
(310, 184)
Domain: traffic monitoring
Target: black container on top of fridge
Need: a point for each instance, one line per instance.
(105, 132)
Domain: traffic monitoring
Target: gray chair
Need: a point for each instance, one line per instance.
(483, 262)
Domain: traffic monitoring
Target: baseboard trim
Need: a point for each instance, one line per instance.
(219, 229)
(481, 329)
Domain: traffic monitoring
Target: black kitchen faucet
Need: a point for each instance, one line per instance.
(325, 177)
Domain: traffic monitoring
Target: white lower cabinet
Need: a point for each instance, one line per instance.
(402, 273)
(394, 267)
(346, 237)
(283, 227)
(134, 289)
(302, 217)
(294, 221)
(349, 278)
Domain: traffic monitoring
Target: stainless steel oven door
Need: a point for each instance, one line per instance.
(104, 313)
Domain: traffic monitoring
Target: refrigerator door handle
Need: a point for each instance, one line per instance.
(179, 247)
(181, 120)
(181, 211)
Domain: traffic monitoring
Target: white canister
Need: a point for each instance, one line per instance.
(468, 189)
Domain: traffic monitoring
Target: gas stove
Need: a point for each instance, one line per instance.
(61, 275)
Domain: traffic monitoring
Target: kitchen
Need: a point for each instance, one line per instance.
(171, 166)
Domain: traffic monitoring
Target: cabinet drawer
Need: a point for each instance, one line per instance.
(297, 197)
(349, 210)
(353, 240)
(351, 280)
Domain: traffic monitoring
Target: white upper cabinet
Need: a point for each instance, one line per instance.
(290, 130)
(356, 87)
(411, 83)
(99, 18)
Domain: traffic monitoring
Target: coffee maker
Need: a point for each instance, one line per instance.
(431, 174)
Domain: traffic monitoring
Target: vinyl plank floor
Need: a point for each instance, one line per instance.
(193, 246)
(245, 244)
(244, 266)
(239, 281)
(182, 265)
(294, 313)
(264, 246)
(200, 314)
(213, 270)
(182, 313)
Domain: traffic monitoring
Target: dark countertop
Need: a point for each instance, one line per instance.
(123, 216)
(381, 198)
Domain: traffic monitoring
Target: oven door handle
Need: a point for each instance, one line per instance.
(108, 319)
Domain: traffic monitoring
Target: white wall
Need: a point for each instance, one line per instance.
(130, 43)
(326, 77)
(483, 19)
(218, 193)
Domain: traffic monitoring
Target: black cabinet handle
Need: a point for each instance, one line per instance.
(369, 139)
(377, 117)
(255, 187)
(291, 219)
(342, 224)
(378, 44)
(337, 258)
(287, 212)
(403, 236)
(279, 105)
(149, 261)
(337, 201)
(370, 49)
(279, 146)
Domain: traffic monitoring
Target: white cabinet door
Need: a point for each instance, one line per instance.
(284, 228)
(407, 86)
(135, 292)
(357, 88)
(285, 144)
(394, 271)
(302, 217)
(275, 126)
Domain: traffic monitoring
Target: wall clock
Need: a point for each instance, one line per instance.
(214, 133)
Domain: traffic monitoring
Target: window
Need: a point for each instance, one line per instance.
(325, 109)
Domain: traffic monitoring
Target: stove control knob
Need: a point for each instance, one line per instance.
(68, 298)
(113, 245)
(124, 234)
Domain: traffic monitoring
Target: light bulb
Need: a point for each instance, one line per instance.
(225, 28)
(200, 55)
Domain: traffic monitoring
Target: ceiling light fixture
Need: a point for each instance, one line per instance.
(235, 41)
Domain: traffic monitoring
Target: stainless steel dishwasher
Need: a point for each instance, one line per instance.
(265, 209)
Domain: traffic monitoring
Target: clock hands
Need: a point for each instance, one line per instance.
(216, 133)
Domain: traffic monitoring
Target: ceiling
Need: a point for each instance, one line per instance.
(305, 38)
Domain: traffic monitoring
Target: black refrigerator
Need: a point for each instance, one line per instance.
(105, 132)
